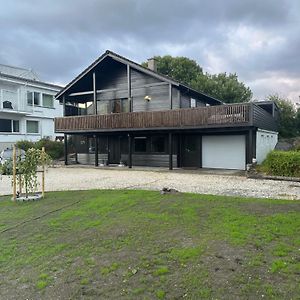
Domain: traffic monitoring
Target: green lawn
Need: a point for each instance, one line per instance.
(143, 245)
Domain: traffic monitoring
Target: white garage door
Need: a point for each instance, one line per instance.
(224, 152)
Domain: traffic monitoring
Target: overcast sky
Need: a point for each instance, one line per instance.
(257, 39)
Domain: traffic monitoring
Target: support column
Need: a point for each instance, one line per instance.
(129, 151)
(64, 106)
(249, 146)
(129, 87)
(96, 151)
(170, 96)
(66, 148)
(170, 152)
(94, 93)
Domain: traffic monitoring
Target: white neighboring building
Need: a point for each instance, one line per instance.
(27, 107)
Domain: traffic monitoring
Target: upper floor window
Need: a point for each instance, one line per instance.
(47, 100)
(193, 103)
(33, 98)
(8, 125)
(32, 126)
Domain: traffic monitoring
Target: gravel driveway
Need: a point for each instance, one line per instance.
(82, 178)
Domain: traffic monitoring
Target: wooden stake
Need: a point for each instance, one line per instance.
(43, 173)
(20, 175)
(14, 174)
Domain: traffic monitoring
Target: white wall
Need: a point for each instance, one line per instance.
(22, 111)
(265, 142)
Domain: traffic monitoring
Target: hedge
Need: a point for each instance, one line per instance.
(54, 149)
(282, 163)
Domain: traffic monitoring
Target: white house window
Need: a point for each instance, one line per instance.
(193, 103)
(32, 126)
(15, 126)
(33, 98)
(8, 125)
(47, 100)
(29, 98)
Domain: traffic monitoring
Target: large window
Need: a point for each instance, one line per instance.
(33, 98)
(158, 144)
(7, 125)
(32, 126)
(47, 100)
(193, 103)
(113, 106)
(140, 144)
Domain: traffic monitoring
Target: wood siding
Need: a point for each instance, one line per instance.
(200, 117)
(263, 119)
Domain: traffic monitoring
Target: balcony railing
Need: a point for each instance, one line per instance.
(201, 117)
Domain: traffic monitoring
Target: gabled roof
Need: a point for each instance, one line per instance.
(18, 72)
(138, 67)
(31, 81)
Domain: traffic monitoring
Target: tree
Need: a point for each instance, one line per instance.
(181, 68)
(223, 86)
(287, 116)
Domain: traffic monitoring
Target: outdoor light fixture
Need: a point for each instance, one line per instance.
(147, 98)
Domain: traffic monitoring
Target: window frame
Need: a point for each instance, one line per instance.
(38, 122)
(12, 127)
(47, 106)
(164, 144)
(146, 144)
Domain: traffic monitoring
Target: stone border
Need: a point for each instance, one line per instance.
(269, 177)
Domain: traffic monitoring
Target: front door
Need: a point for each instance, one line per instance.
(191, 151)
(114, 150)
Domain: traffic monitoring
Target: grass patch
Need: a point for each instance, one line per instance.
(186, 254)
(161, 271)
(143, 245)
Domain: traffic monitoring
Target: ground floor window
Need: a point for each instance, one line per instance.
(32, 126)
(158, 144)
(8, 125)
(140, 144)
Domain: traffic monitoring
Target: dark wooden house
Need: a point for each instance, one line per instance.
(119, 112)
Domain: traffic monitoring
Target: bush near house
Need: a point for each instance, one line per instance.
(25, 145)
(282, 163)
(54, 149)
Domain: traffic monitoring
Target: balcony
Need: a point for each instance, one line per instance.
(233, 115)
(10, 102)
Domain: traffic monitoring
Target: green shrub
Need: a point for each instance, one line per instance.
(6, 168)
(54, 149)
(282, 163)
(25, 145)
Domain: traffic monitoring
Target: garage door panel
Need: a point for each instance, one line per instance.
(224, 152)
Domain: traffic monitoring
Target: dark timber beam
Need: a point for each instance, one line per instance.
(116, 89)
(129, 151)
(170, 96)
(64, 106)
(66, 148)
(249, 146)
(94, 93)
(96, 151)
(170, 152)
(129, 87)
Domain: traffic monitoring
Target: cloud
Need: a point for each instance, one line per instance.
(258, 40)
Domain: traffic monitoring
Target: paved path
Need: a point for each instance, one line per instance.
(82, 178)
